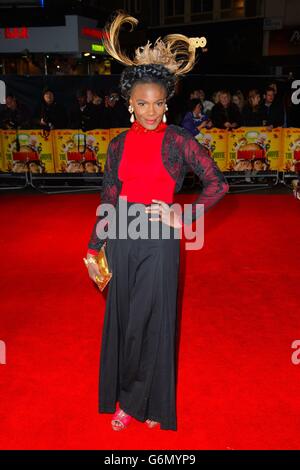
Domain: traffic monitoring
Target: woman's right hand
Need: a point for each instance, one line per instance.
(93, 269)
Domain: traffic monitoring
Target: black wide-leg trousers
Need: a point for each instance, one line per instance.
(138, 353)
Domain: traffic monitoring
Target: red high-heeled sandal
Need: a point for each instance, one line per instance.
(122, 418)
(296, 188)
(296, 193)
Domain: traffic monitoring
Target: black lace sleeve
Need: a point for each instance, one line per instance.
(214, 184)
(109, 195)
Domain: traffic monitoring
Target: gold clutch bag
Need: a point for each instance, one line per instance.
(104, 269)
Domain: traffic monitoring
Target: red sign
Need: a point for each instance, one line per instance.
(93, 33)
(249, 154)
(16, 33)
(25, 156)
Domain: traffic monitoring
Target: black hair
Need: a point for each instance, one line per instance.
(113, 90)
(191, 105)
(147, 73)
(47, 90)
(269, 88)
(81, 92)
(98, 92)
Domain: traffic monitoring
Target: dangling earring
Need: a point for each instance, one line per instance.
(130, 109)
(164, 119)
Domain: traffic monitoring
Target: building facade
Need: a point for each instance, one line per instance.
(247, 37)
(244, 36)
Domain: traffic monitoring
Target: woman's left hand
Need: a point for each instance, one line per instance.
(166, 214)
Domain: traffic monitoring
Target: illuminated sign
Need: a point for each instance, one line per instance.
(16, 33)
(93, 33)
(98, 48)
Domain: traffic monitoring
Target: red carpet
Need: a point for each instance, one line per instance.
(237, 386)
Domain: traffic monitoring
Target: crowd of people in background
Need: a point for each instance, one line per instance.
(230, 111)
(94, 109)
(91, 110)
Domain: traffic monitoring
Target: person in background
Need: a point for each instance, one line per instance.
(98, 98)
(82, 115)
(102, 119)
(239, 100)
(50, 114)
(225, 114)
(194, 120)
(274, 87)
(116, 114)
(273, 113)
(89, 95)
(252, 114)
(14, 115)
(176, 106)
(215, 97)
(206, 104)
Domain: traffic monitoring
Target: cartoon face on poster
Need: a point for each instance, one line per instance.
(80, 152)
(29, 150)
(291, 150)
(215, 141)
(97, 142)
(254, 149)
(274, 147)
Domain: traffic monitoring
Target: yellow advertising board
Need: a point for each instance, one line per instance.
(97, 142)
(291, 149)
(80, 152)
(254, 149)
(113, 132)
(27, 150)
(73, 151)
(215, 140)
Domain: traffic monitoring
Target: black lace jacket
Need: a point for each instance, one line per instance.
(181, 152)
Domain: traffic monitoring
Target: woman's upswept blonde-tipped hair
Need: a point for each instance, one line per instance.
(176, 52)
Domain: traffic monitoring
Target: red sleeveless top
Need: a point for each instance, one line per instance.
(141, 168)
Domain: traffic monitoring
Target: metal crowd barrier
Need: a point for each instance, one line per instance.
(13, 181)
(66, 183)
(247, 181)
(54, 183)
(288, 177)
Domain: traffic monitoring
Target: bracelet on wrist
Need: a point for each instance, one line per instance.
(90, 260)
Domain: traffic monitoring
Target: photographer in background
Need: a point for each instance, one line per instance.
(14, 115)
(116, 113)
(50, 114)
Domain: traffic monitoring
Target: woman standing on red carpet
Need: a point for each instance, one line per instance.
(146, 164)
